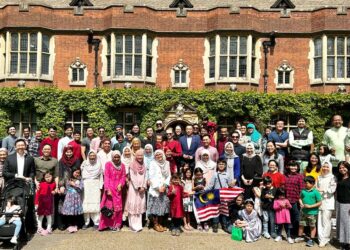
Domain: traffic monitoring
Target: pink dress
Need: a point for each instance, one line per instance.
(282, 214)
(112, 178)
(136, 202)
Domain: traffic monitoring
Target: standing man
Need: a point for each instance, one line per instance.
(45, 163)
(26, 135)
(95, 143)
(105, 154)
(222, 140)
(34, 144)
(150, 137)
(214, 154)
(189, 144)
(9, 141)
(280, 137)
(172, 150)
(68, 131)
(76, 145)
(85, 143)
(52, 140)
(118, 129)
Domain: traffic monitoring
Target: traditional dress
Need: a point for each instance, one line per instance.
(73, 201)
(136, 200)
(92, 175)
(208, 167)
(147, 158)
(126, 160)
(114, 175)
(104, 157)
(176, 204)
(45, 198)
(252, 231)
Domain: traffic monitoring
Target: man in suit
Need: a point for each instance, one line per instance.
(189, 144)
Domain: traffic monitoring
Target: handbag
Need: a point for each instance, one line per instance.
(237, 234)
(108, 212)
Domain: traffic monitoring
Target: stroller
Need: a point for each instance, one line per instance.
(21, 190)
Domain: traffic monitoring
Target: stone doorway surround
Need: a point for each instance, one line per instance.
(180, 114)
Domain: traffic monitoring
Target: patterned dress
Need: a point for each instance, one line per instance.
(73, 204)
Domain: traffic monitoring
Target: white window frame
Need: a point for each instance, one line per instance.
(252, 56)
(284, 68)
(38, 74)
(182, 69)
(82, 124)
(77, 65)
(20, 124)
(110, 50)
(123, 122)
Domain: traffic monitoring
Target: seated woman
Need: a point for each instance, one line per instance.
(12, 212)
(249, 221)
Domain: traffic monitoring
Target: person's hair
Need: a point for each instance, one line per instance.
(301, 117)
(8, 128)
(292, 163)
(249, 201)
(46, 144)
(346, 165)
(76, 132)
(277, 165)
(184, 173)
(74, 169)
(280, 192)
(20, 140)
(236, 123)
(46, 173)
(67, 126)
(309, 166)
(267, 180)
(236, 132)
(175, 177)
(274, 152)
(335, 116)
(198, 170)
(195, 124)
(52, 127)
(206, 135)
(149, 127)
(26, 128)
(12, 200)
(189, 125)
(280, 120)
(310, 179)
(100, 128)
(89, 128)
(105, 139)
(119, 134)
(325, 149)
(131, 132)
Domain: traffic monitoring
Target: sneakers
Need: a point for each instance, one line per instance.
(266, 235)
(14, 240)
(173, 232)
(206, 227)
(84, 227)
(322, 244)
(215, 228)
(44, 233)
(299, 239)
(310, 243)
(40, 230)
(290, 240)
(278, 238)
(177, 232)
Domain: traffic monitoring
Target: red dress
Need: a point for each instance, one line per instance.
(176, 151)
(176, 204)
(45, 198)
(278, 179)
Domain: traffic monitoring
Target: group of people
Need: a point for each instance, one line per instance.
(129, 179)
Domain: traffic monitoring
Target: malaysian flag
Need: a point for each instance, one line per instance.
(212, 203)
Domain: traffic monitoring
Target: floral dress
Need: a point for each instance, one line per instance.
(73, 204)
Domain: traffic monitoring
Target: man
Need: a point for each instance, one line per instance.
(52, 140)
(223, 139)
(45, 163)
(34, 144)
(214, 154)
(211, 129)
(173, 151)
(105, 154)
(118, 129)
(150, 137)
(196, 129)
(9, 141)
(160, 129)
(238, 148)
(68, 131)
(121, 143)
(301, 142)
(95, 143)
(189, 144)
(280, 137)
(26, 135)
(334, 137)
(85, 143)
(76, 144)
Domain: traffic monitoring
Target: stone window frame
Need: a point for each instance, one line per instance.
(5, 55)
(183, 71)
(123, 116)
(72, 118)
(78, 66)
(24, 118)
(212, 57)
(325, 57)
(283, 69)
(149, 53)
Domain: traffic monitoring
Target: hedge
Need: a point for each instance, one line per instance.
(51, 105)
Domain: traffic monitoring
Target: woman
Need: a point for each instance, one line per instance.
(272, 154)
(178, 132)
(233, 163)
(114, 180)
(278, 179)
(265, 139)
(65, 166)
(343, 205)
(135, 145)
(207, 165)
(326, 185)
(127, 158)
(244, 138)
(159, 176)
(255, 137)
(313, 167)
(92, 176)
(136, 198)
(3, 156)
(251, 167)
(148, 158)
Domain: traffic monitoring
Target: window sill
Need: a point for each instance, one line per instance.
(180, 86)
(285, 87)
(232, 80)
(28, 77)
(77, 84)
(332, 81)
(136, 79)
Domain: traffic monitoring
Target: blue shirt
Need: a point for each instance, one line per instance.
(281, 138)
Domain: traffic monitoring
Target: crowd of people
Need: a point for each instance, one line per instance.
(131, 180)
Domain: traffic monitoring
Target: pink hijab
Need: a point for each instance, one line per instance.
(136, 166)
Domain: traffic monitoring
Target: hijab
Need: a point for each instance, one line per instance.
(330, 169)
(68, 161)
(118, 165)
(255, 136)
(206, 166)
(230, 157)
(126, 160)
(147, 158)
(252, 146)
(136, 166)
(91, 169)
(162, 163)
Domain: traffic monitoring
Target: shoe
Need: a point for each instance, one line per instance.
(299, 239)
(75, 229)
(322, 244)
(39, 231)
(70, 229)
(14, 240)
(215, 228)
(44, 233)
(49, 231)
(206, 227)
(95, 227)
(273, 235)
(163, 228)
(266, 235)
(310, 243)
(84, 227)
(177, 232)
(278, 238)
(290, 240)
(157, 228)
(200, 228)
(173, 232)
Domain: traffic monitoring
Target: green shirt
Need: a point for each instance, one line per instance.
(310, 197)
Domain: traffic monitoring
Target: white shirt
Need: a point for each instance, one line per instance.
(20, 165)
(61, 144)
(189, 141)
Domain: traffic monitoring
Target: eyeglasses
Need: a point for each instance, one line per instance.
(101, 131)
(235, 136)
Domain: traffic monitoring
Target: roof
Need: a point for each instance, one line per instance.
(300, 5)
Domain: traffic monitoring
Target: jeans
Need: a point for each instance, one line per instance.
(224, 220)
(286, 227)
(295, 218)
(18, 224)
(269, 219)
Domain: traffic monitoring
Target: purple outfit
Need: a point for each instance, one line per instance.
(73, 204)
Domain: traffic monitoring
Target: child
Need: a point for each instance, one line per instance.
(199, 184)
(183, 168)
(258, 186)
(267, 196)
(325, 154)
(46, 194)
(310, 200)
(221, 179)
(175, 194)
(249, 221)
(234, 209)
(72, 206)
(326, 185)
(188, 198)
(281, 205)
(15, 209)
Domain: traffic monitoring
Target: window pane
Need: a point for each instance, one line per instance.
(33, 42)
(129, 117)
(242, 66)
(330, 46)
(74, 75)
(223, 66)
(81, 75)
(119, 65)
(108, 44)
(318, 47)
(340, 46)
(330, 67)
(340, 67)
(32, 63)
(14, 41)
(108, 65)
(177, 76)
(128, 44)
(183, 76)
(77, 116)
(287, 77)
(149, 46)
(46, 44)
(223, 45)
(212, 46)
(23, 63)
(243, 45)
(128, 65)
(233, 45)
(119, 44)
(280, 77)
(212, 67)
(318, 68)
(348, 67)
(149, 66)
(233, 66)
(14, 63)
(138, 44)
(24, 42)
(138, 65)
(45, 62)
(348, 45)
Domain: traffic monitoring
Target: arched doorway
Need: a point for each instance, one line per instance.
(180, 114)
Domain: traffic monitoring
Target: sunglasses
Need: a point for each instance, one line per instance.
(235, 136)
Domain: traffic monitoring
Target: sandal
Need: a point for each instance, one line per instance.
(186, 227)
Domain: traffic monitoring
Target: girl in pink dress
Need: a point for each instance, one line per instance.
(281, 205)
(176, 194)
(114, 180)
